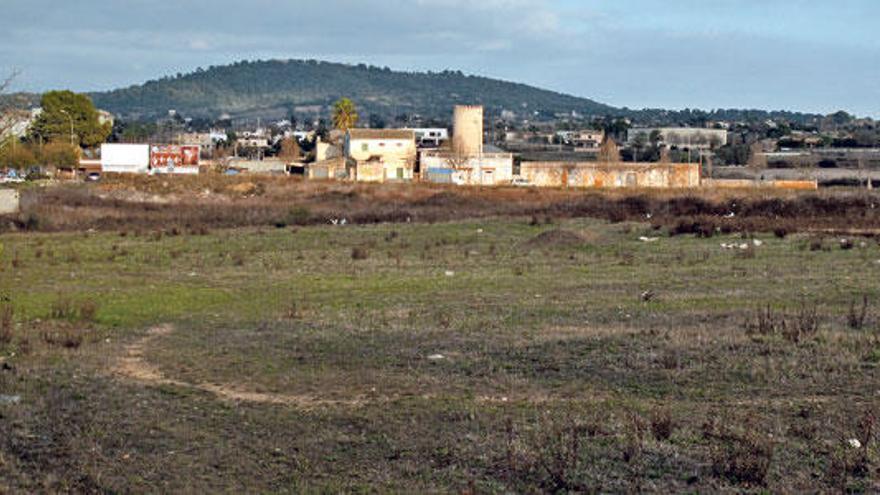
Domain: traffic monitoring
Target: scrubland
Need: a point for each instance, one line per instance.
(442, 340)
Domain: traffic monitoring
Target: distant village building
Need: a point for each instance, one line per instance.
(588, 138)
(380, 155)
(15, 124)
(207, 141)
(431, 137)
(467, 162)
(695, 138)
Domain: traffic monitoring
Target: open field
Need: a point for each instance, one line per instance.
(485, 355)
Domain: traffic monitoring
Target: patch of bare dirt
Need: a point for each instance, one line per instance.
(555, 238)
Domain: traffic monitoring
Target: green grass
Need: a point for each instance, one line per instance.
(536, 342)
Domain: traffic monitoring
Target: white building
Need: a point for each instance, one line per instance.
(485, 169)
(125, 158)
(380, 155)
(431, 137)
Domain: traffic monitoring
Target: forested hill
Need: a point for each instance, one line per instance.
(275, 88)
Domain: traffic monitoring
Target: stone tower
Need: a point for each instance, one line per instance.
(467, 137)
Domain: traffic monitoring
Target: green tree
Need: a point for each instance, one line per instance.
(639, 142)
(345, 114)
(69, 116)
(17, 156)
(60, 154)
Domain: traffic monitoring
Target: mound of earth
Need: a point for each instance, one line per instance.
(554, 238)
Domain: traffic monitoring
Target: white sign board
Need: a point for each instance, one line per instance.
(8, 201)
(125, 158)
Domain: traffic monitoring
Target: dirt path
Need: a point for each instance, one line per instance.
(132, 365)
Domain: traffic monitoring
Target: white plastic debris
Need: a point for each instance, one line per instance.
(855, 443)
(730, 215)
(479, 231)
(436, 357)
(450, 273)
(649, 239)
(743, 246)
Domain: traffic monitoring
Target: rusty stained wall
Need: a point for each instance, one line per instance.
(612, 175)
(791, 185)
(370, 171)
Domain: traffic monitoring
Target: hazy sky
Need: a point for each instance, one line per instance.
(773, 54)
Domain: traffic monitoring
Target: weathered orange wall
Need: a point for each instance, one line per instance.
(611, 175)
(792, 185)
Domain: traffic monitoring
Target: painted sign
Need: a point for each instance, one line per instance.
(173, 159)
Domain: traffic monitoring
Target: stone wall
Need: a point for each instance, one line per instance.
(611, 175)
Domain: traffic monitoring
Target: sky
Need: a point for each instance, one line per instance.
(802, 55)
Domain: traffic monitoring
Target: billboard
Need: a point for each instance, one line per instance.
(173, 159)
(125, 158)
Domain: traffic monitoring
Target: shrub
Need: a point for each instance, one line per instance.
(662, 425)
(63, 336)
(806, 323)
(857, 315)
(780, 232)
(743, 459)
(62, 309)
(359, 253)
(557, 457)
(7, 323)
(65, 309)
(88, 310)
(765, 322)
(299, 215)
(699, 227)
(293, 311)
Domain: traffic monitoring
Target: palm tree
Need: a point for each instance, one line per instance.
(345, 114)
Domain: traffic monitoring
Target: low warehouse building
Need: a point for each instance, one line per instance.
(611, 175)
(485, 169)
